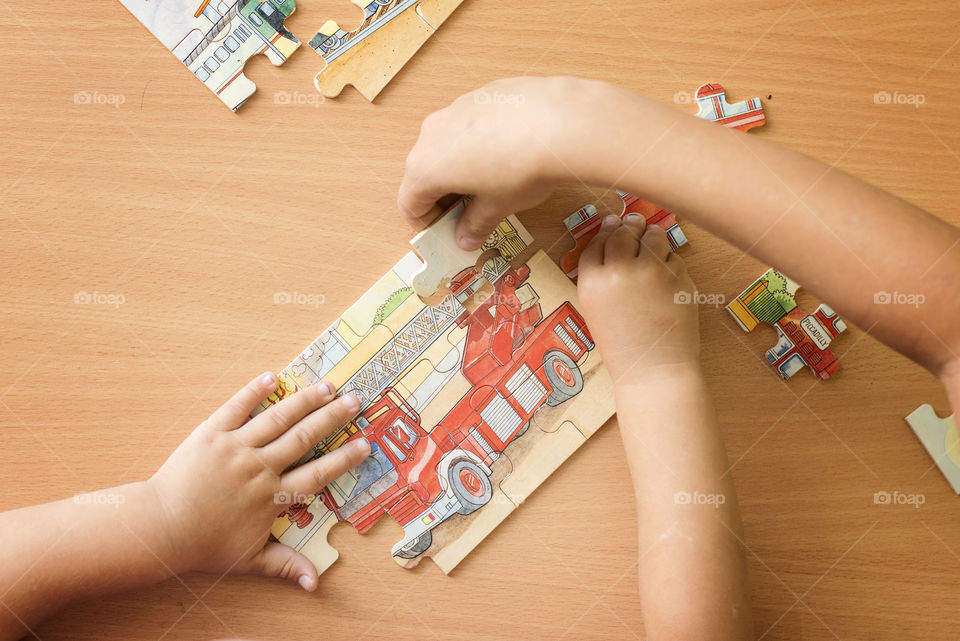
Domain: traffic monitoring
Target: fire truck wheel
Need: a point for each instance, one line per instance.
(470, 485)
(416, 547)
(564, 377)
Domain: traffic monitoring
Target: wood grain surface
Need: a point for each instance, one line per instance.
(192, 218)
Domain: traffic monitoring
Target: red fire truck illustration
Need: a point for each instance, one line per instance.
(516, 361)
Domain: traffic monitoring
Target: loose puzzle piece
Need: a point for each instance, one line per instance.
(939, 437)
(445, 391)
(368, 57)
(215, 38)
(584, 223)
(801, 339)
(714, 107)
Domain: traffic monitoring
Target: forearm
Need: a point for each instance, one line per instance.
(841, 238)
(88, 546)
(693, 577)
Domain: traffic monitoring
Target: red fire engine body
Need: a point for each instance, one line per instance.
(516, 361)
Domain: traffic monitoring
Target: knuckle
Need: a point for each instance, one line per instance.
(288, 569)
(278, 418)
(319, 474)
(304, 437)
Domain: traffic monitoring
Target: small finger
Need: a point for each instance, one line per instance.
(593, 253)
(655, 243)
(624, 242)
(281, 561)
(478, 220)
(417, 197)
(268, 425)
(292, 444)
(312, 477)
(236, 411)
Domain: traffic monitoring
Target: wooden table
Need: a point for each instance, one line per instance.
(196, 216)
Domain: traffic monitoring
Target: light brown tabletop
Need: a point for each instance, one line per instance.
(196, 217)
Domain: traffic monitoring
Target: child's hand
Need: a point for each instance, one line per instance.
(217, 492)
(637, 300)
(509, 144)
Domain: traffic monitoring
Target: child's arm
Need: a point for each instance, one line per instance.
(209, 508)
(841, 238)
(693, 578)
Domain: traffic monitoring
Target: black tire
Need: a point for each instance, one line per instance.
(417, 547)
(470, 502)
(560, 389)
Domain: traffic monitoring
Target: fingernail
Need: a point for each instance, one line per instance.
(325, 388)
(362, 444)
(268, 379)
(306, 583)
(351, 402)
(611, 220)
(470, 242)
(633, 218)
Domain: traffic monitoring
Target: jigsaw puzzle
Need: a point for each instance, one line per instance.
(215, 38)
(584, 223)
(448, 394)
(939, 437)
(802, 339)
(368, 57)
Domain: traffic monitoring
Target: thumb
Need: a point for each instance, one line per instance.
(480, 216)
(279, 560)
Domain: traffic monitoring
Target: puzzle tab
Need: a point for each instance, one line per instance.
(802, 339)
(214, 39)
(584, 223)
(368, 57)
(940, 439)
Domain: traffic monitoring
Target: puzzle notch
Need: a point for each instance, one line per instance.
(215, 41)
(369, 56)
(802, 339)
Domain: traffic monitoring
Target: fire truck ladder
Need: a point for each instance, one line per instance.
(381, 371)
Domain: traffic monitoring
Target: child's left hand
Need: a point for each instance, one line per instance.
(218, 491)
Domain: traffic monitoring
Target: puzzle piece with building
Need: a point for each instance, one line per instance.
(802, 339)
(584, 223)
(370, 55)
(939, 437)
(215, 38)
(446, 390)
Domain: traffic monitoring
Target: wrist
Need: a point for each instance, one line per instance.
(166, 531)
(653, 380)
(605, 136)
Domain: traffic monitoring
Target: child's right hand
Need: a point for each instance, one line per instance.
(509, 144)
(637, 299)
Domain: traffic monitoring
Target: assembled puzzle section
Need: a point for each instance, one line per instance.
(940, 439)
(584, 223)
(215, 38)
(448, 394)
(444, 262)
(368, 57)
(802, 339)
